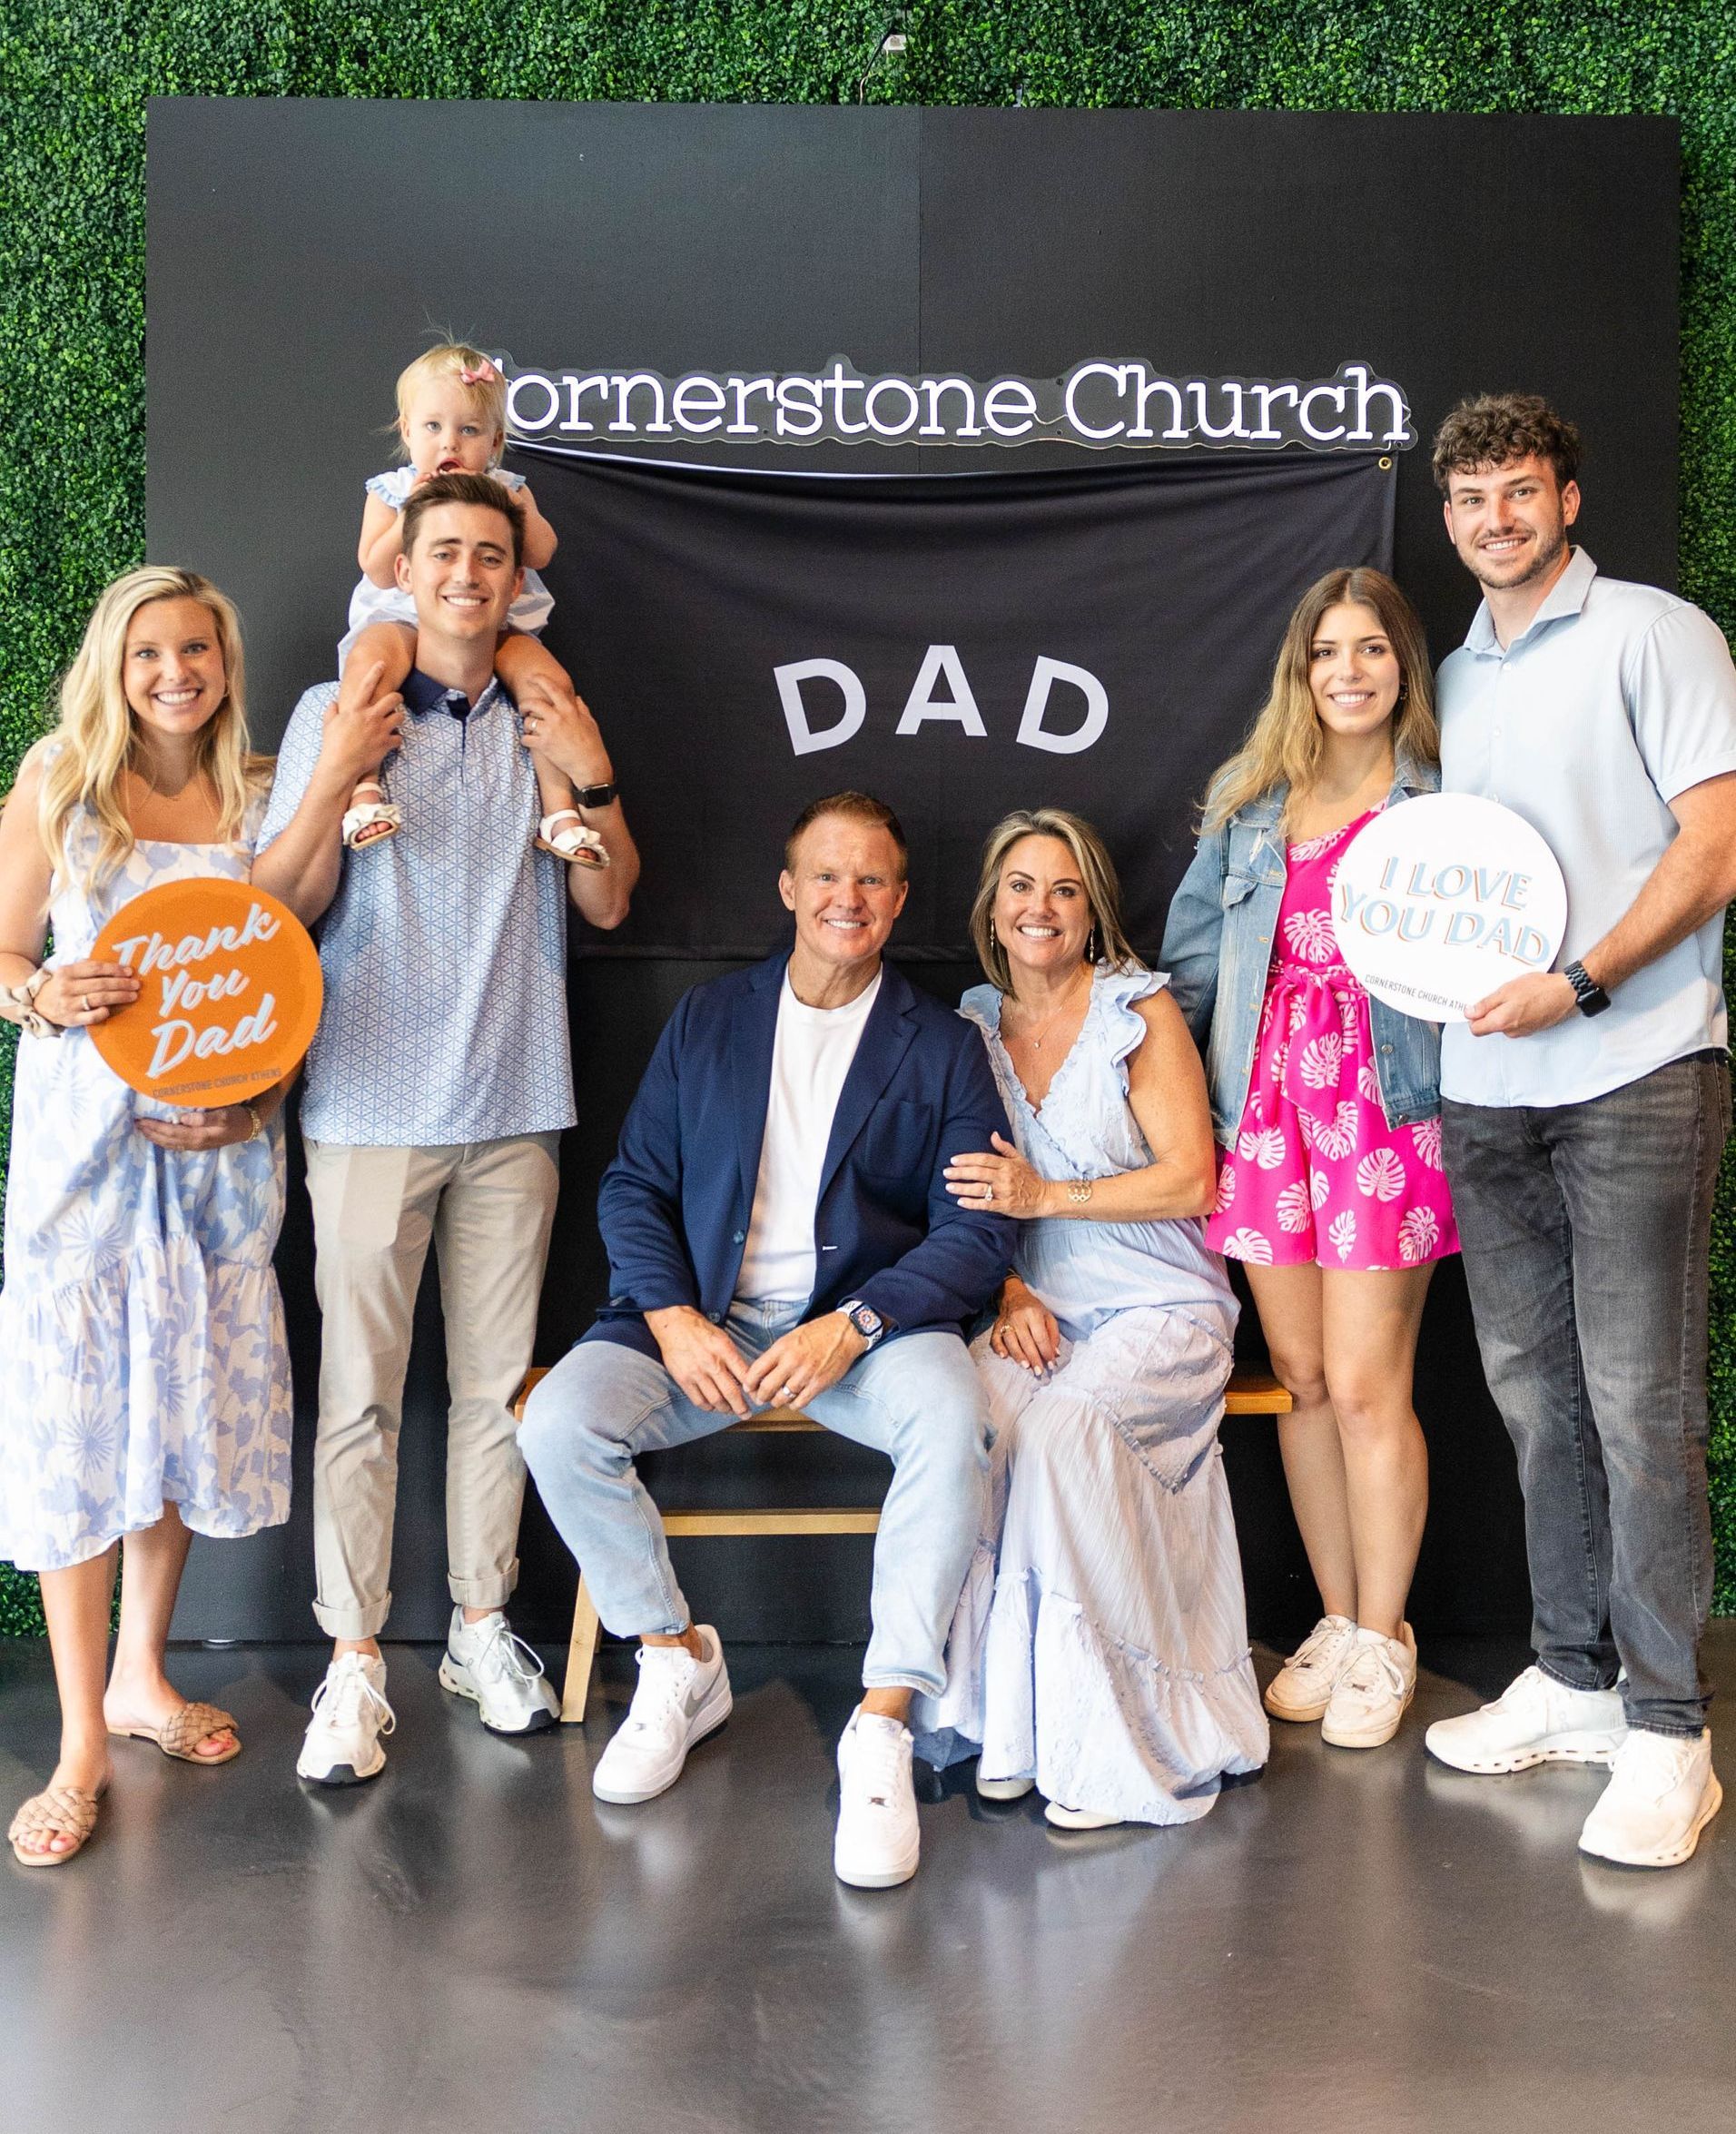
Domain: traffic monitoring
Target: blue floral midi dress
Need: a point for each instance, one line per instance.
(141, 1351)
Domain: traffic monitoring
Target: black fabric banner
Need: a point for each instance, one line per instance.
(957, 645)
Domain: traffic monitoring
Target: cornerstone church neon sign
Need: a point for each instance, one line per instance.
(1098, 403)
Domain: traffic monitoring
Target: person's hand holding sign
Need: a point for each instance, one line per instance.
(1522, 1006)
(77, 996)
(219, 1129)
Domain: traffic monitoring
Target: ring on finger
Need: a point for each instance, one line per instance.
(988, 1195)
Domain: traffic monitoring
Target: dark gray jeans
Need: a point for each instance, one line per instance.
(1585, 1230)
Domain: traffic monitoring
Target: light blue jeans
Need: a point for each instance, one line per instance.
(916, 1398)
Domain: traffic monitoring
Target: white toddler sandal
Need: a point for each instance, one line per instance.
(371, 820)
(566, 836)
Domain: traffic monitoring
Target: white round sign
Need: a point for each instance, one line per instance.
(1443, 899)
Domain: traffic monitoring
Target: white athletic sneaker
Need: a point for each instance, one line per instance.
(500, 1674)
(878, 1838)
(1302, 1687)
(1662, 1792)
(1373, 1692)
(1535, 1720)
(679, 1701)
(341, 1745)
(1078, 1818)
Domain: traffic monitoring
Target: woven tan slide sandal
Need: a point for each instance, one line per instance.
(67, 1809)
(181, 1736)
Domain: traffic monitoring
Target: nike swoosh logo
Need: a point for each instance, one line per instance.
(695, 1699)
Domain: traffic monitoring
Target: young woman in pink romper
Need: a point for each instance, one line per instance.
(1330, 1187)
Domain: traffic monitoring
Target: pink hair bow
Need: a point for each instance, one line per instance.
(484, 374)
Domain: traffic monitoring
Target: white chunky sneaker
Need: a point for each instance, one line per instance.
(1662, 1792)
(1535, 1720)
(878, 1838)
(1302, 1687)
(1373, 1691)
(1078, 1818)
(500, 1674)
(679, 1701)
(341, 1745)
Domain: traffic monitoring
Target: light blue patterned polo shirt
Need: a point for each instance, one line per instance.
(444, 951)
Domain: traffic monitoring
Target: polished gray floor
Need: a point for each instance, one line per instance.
(1352, 1941)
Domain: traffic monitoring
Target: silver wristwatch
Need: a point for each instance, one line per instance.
(24, 999)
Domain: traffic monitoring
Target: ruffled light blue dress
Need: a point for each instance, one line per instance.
(1100, 1644)
(141, 1351)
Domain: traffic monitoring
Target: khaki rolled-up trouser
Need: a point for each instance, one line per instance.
(487, 1207)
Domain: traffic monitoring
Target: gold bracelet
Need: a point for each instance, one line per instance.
(259, 1124)
(1079, 1192)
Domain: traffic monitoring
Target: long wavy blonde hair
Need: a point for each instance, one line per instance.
(87, 757)
(1287, 743)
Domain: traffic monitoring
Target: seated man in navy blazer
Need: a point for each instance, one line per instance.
(779, 1233)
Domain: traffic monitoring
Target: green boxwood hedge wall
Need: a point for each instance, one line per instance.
(75, 76)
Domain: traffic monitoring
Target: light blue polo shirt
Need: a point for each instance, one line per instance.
(1614, 700)
(444, 951)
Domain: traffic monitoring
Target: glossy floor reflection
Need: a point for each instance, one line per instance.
(1355, 1941)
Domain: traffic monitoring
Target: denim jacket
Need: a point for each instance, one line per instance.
(1217, 948)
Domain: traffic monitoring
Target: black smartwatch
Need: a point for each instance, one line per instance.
(866, 1320)
(596, 795)
(1590, 995)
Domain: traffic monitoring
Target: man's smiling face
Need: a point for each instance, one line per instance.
(461, 573)
(846, 888)
(1509, 524)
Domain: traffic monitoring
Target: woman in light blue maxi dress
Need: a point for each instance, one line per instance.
(1100, 1650)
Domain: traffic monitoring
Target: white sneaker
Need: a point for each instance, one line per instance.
(879, 1837)
(500, 1674)
(1374, 1691)
(679, 1701)
(1302, 1687)
(1079, 1818)
(1001, 1789)
(341, 1745)
(1535, 1720)
(1662, 1792)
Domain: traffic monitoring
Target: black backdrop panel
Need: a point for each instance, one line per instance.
(959, 645)
(299, 252)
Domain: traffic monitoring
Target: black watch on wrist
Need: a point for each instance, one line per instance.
(596, 795)
(1588, 994)
(866, 1320)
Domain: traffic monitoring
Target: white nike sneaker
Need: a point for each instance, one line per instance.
(1302, 1687)
(1662, 1792)
(500, 1674)
(1535, 1720)
(878, 1838)
(679, 1701)
(1373, 1691)
(341, 1745)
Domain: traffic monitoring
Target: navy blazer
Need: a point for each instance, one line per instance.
(675, 1204)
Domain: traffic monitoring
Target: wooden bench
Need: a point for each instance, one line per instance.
(1251, 1392)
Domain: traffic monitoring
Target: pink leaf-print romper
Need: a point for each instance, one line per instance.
(1315, 1173)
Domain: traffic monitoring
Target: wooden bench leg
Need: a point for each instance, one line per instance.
(581, 1656)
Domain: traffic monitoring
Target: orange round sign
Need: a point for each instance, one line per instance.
(230, 993)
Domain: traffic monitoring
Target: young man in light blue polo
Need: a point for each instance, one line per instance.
(436, 1092)
(1584, 1113)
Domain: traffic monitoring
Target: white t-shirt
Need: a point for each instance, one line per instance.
(811, 1057)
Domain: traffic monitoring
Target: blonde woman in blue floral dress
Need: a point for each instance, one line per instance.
(144, 1384)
